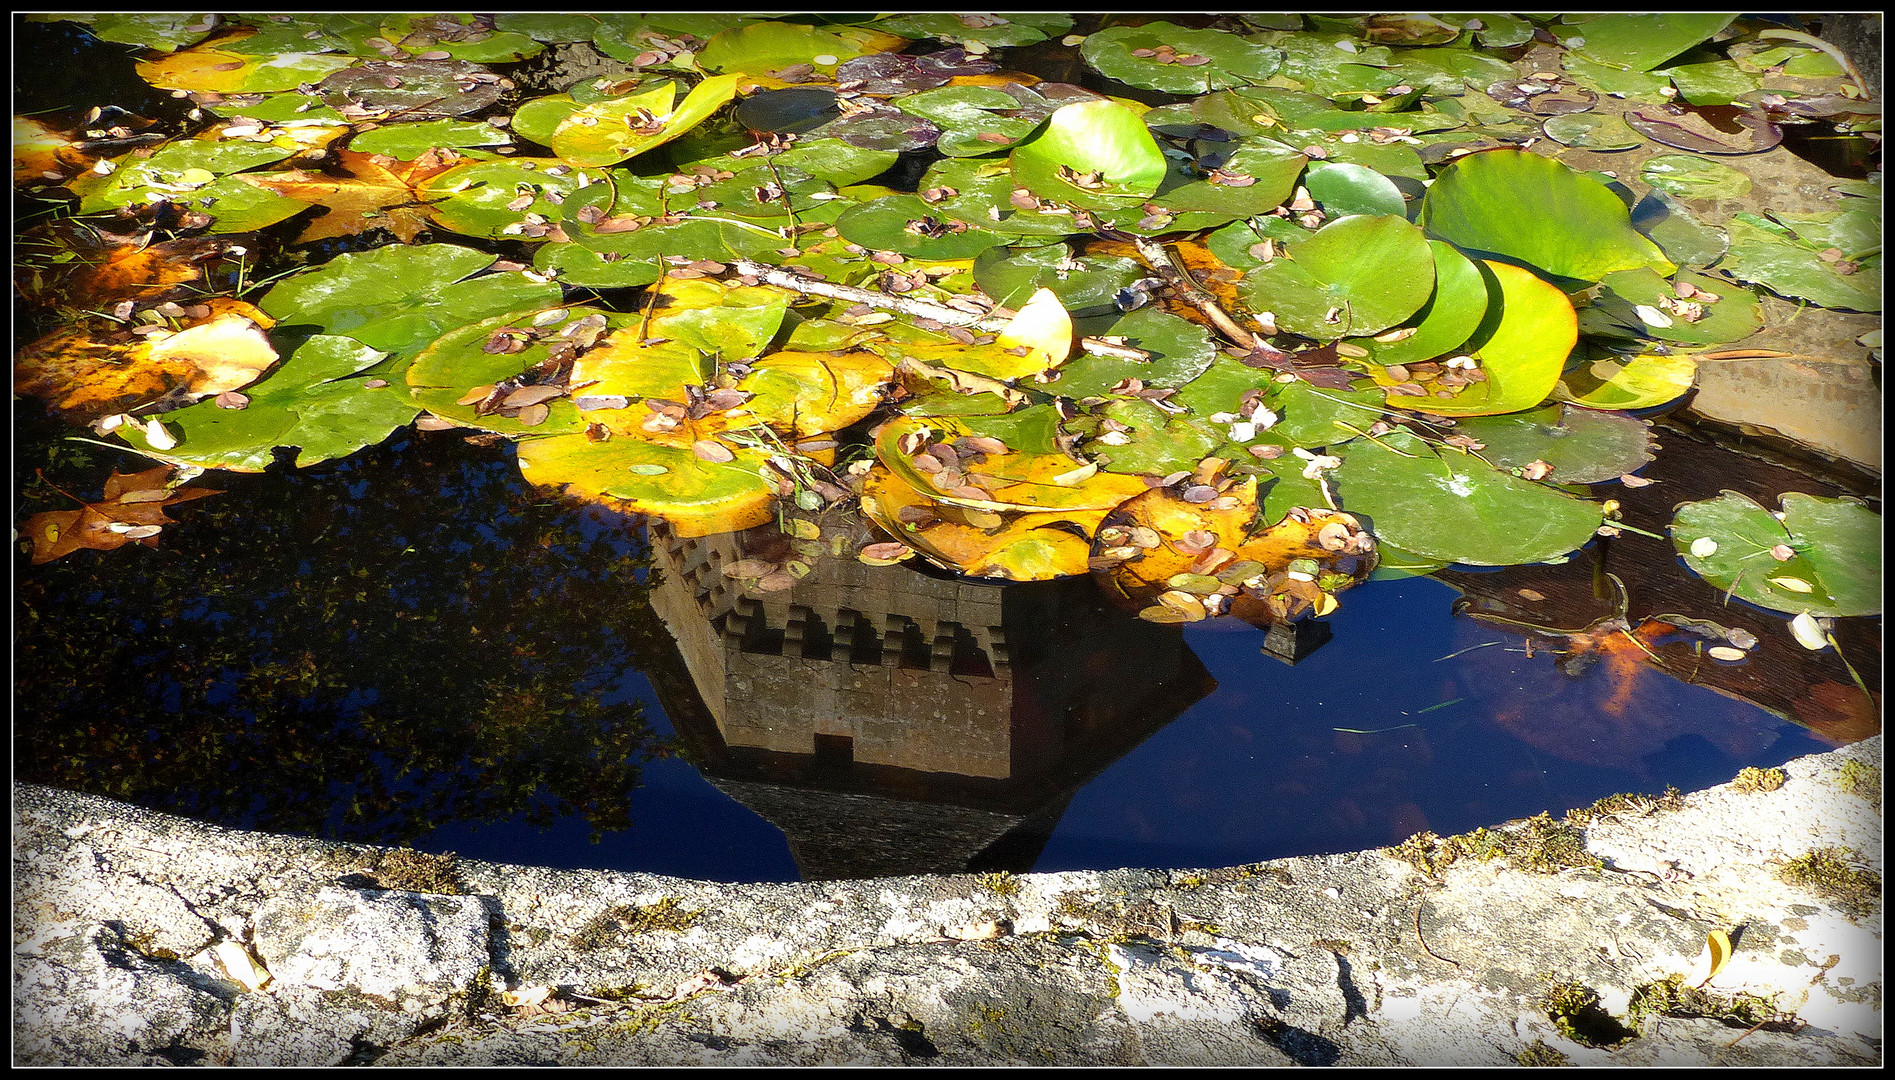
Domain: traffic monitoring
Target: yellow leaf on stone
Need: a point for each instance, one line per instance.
(1717, 952)
(240, 965)
(1043, 327)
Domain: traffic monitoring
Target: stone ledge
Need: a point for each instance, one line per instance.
(1351, 959)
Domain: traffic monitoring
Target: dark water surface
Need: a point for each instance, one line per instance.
(413, 646)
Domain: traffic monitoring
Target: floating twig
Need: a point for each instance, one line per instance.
(1158, 257)
(908, 305)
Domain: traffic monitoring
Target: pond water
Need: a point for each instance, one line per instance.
(413, 645)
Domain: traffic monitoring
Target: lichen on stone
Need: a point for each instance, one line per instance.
(1000, 883)
(1829, 872)
(1863, 780)
(419, 871)
(1752, 779)
(1538, 845)
(626, 920)
(1626, 803)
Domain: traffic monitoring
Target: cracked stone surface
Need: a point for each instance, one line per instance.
(1351, 959)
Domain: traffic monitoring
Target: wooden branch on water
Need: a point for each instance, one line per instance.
(908, 305)
(1191, 292)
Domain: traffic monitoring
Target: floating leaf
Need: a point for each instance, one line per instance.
(1678, 233)
(1446, 321)
(1639, 383)
(1163, 56)
(1836, 544)
(1043, 328)
(442, 373)
(1534, 210)
(1359, 275)
(1690, 177)
(1809, 632)
(1019, 480)
(1180, 351)
(1456, 508)
(195, 174)
(1685, 314)
(1095, 154)
(771, 46)
(1592, 131)
(214, 70)
(1351, 189)
(84, 375)
(398, 299)
(1642, 42)
(694, 496)
(131, 509)
(311, 403)
(609, 132)
(977, 120)
(906, 225)
(1772, 256)
(1012, 276)
(376, 193)
(994, 31)
(1022, 547)
(1673, 126)
(406, 142)
(1583, 446)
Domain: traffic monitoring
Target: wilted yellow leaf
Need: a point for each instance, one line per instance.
(1043, 327)
(1717, 951)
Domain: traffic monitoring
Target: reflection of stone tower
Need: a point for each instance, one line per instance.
(890, 722)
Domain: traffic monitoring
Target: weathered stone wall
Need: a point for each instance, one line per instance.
(134, 933)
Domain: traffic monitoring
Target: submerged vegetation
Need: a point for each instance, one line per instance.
(1266, 302)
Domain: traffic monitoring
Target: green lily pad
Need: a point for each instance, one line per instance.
(399, 298)
(445, 371)
(406, 142)
(1397, 161)
(548, 26)
(763, 47)
(1678, 233)
(1358, 275)
(1642, 42)
(1015, 28)
(190, 171)
(626, 259)
(1718, 82)
(1250, 178)
(981, 194)
(1856, 233)
(1180, 351)
(1639, 86)
(475, 198)
(1496, 31)
(1538, 212)
(1155, 443)
(1173, 59)
(310, 403)
(1770, 255)
(608, 132)
(1592, 131)
(1522, 345)
(1344, 189)
(1583, 446)
(1011, 276)
(733, 322)
(1836, 546)
(1323, 62)
(539, 118)
(1641, 382)
(1236, 244)
(696, 497)
(1108, 156)
(1456, 508)
(974, 120)
(908, 226)
(165, 31)
(447, 33)
(1449, 318)
(1691, 177)
(1649, 306)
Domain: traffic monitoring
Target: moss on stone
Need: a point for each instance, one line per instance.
(629, 919)
(1863, 780)
(1626, 803)
(1752, 779)
(1673, 997)
(1829, 872)
(419, 871)
(1537, 1054)
(1340, 948)
(1539, 845)
(1000, 883)
(1577, 1012)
